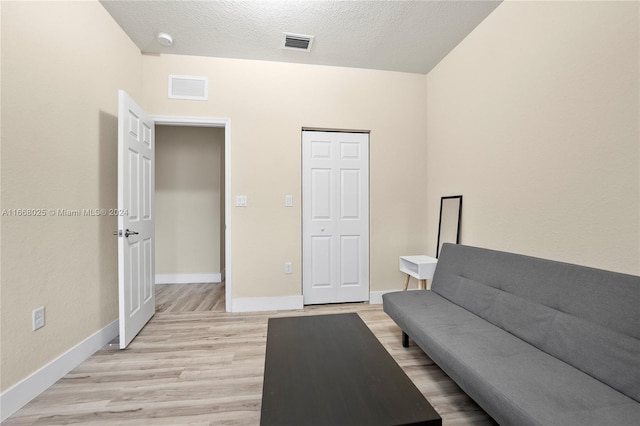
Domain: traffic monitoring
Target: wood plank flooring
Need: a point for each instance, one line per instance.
(190, 297)
(205, 368)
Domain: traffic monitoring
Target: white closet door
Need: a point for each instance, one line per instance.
(335, 217)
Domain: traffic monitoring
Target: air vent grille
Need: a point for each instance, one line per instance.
(188, 87)
(298, 41)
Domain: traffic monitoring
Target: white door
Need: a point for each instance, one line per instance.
(335, 217)
(136, 221)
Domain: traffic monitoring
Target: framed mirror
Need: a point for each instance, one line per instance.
(450, 218)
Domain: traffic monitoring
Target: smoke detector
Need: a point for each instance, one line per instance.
(298, 41)
(165, 39)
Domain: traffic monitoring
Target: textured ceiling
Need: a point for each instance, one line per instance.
(409, 36)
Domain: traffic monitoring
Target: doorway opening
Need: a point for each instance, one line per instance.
(189, 205)
(193, 213)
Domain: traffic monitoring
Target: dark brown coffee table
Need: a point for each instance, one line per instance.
(331, 370)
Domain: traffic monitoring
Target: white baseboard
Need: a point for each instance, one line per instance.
(255, 304)
(21, 393)
(375, 297)
(206, 277)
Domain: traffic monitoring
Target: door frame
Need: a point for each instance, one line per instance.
(184, 121)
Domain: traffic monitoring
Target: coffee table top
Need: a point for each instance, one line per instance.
(332, 370)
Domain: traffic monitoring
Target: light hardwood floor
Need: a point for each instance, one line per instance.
(190, 297)
(206, 368)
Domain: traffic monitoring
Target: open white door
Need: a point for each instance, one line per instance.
(136, 219)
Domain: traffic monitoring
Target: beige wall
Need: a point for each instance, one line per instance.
(62, 64)
(534, 119)
(189, 183)
(268, 104)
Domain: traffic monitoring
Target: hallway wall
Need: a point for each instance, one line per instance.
(189, 203)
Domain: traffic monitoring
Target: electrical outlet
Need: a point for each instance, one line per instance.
(288, 268)
(241, 201)
(37, 318)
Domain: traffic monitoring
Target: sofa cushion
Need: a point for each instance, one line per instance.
(516, 383)
(607, 298)
(585, 317)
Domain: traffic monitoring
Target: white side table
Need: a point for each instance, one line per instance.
(419, 267)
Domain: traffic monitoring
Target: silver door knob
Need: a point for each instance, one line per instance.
(321, 229)
(127, 233)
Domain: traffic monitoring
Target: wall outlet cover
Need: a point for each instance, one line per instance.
(37, 318)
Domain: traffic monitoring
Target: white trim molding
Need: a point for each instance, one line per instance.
(256, 304)
(190, 121)
(207, 277)
(18, 395)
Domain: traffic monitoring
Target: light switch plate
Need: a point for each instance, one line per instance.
(37, 318)
(288, 200)
(241, 201)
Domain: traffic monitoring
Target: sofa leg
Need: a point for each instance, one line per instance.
(405, 340)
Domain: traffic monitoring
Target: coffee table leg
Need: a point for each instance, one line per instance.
(423, 284)
(406, 281)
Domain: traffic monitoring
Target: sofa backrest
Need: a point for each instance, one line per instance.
(588, 318)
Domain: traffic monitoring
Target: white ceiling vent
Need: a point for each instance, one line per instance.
(188, 87)
(298, 41)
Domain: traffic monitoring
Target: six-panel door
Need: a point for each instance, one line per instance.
(335, 217)
(136, 186)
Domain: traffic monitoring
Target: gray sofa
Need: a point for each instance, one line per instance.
(532, 341)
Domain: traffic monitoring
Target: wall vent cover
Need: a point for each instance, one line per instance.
(298, 41)
(188, 87)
